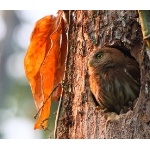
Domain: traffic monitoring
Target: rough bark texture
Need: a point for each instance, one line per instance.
(79, 116)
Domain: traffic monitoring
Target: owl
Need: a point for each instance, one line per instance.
(114, 78)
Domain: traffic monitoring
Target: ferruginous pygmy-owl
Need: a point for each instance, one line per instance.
(114, 78)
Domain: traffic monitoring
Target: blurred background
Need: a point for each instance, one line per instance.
(16, 102)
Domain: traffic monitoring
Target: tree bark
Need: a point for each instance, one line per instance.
(79, 117)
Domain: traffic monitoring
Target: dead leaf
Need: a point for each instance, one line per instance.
(44, 63)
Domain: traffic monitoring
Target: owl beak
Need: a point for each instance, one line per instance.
(90, 63)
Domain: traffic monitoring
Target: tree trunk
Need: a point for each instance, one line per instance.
(79, 116)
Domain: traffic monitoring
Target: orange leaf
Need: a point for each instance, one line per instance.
(44, 63)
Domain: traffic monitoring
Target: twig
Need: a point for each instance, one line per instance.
(47, 99)
(60, 101)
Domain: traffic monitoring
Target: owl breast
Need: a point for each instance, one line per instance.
(113, 92)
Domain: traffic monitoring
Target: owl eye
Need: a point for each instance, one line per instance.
(99, 55)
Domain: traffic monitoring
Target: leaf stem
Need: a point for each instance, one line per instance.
(144, 16)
